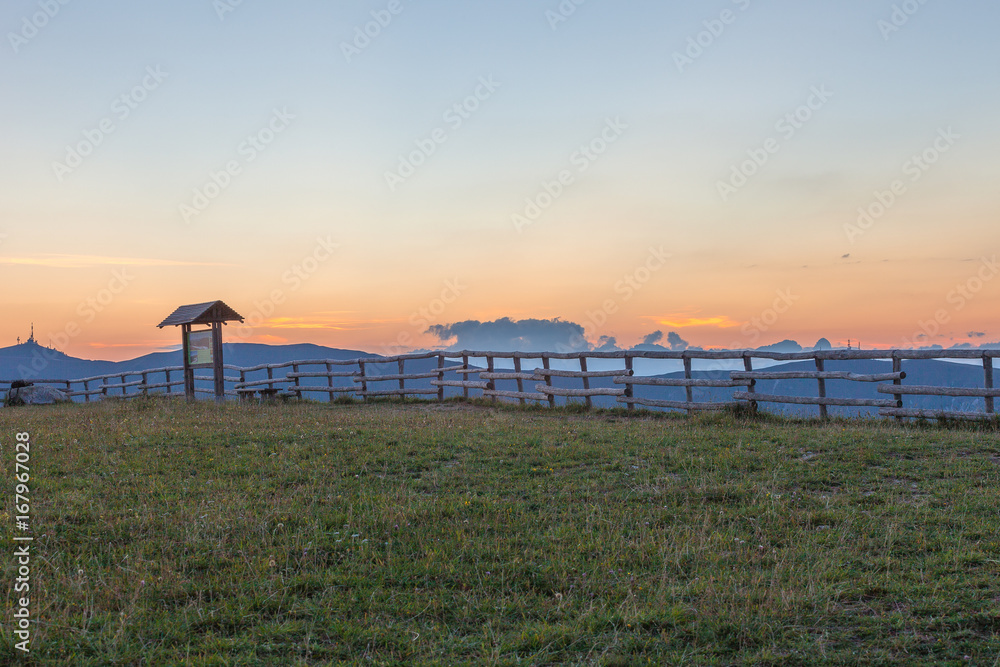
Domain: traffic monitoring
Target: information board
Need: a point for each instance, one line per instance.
(200, 348)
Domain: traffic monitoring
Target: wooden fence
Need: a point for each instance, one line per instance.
(532, 376)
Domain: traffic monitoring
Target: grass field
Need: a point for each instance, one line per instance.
(170, 534)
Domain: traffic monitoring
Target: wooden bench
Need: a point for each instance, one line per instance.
(249, 393)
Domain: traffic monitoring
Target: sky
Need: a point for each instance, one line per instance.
(368, 174)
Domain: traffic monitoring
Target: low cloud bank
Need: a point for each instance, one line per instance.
(507, 335)
(557, 335)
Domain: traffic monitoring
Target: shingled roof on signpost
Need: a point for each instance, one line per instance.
(201, 313)
(203, 348)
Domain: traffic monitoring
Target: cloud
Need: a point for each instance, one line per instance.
(336, 320)
(676, 342)
(317, 322)
(55, 261)
(607, 344)
(783, 346)
(555, 335)
(507, 335)
(652, 342)
(722, 321)
(976, 334)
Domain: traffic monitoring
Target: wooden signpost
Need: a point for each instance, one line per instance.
(202, 348)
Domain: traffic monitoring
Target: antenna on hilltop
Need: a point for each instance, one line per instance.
(31, 339)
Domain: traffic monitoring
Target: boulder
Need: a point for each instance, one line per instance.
(35, 395)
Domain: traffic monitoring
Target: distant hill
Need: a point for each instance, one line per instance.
(248, 354)
(29, 361)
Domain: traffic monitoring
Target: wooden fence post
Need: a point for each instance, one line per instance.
(270, 376)
(329, 380)
(820, 367)
(465, 366)
(491, 385)
(364, 381)
(751, 388)
(169, 388)
(897, 367)
(520, 382)
(86, 391)
(296, 388)
(440, 378)
(988, 372)
(124, 388)
(548, 379)
(688, 390)
(402, 383)
(586, 380)
(629, 391)
(145, 383)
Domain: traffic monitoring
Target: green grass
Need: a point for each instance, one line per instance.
(457, 534)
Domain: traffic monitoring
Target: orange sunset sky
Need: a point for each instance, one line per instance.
(737, 172)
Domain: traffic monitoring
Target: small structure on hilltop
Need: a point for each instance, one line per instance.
(31, 338)
(202, 348)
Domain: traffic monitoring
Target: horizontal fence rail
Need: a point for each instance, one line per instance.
(548, 377)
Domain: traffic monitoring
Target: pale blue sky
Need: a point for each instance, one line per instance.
(658, 184)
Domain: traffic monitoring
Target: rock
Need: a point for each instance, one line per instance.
(34, 395)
